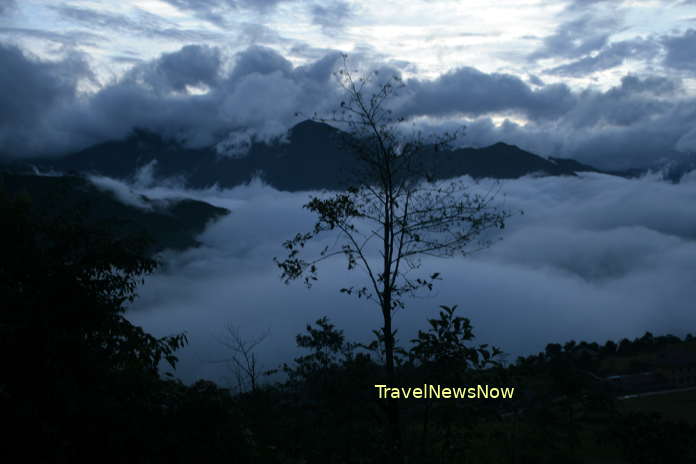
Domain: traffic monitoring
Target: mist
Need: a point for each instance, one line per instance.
(593, 257)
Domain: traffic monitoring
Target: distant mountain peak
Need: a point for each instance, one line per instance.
(312, 157)
(146, 136)
(311, 127)
(310, 124)
(503, 144)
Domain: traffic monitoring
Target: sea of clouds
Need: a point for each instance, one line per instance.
(592, 257)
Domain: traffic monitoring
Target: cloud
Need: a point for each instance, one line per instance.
(645, 144)
(535, 80)
(615, 54)
(592, 258)
(193, 95)
(652, 85)
(210, 10)
(681, 51)
(634, 101)
(583, 4)
(121, 191)
(96, 18)
(202, 95)
(331, 16)
(7, 7)
(33, 90)
(143, 23)
(192, 65)
(687, 142)
(258, 34)
(577, 37)
(217, 11)
(635, 124)
(259, 60)
(470, 91)
(70, 38)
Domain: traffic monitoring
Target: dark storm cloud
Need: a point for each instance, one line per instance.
(260, 93)
(651, 85)
(193, 65)
(617, 138)
(264, 91)
(469, 91)
(681, 51)
(643, 121)
(29, 86)
(638, 123)
(32, 90)
(609, 57)
(43, 114)
(259, 60)
(627, 104)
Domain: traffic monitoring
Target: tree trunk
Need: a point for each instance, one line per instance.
(394, 448)
(426, 429)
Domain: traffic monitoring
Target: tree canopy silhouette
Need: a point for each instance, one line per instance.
(73, 365)
(391, 209)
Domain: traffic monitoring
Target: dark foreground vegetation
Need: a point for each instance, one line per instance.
(80, 383)
(174, 223)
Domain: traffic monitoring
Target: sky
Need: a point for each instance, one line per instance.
(608, 82)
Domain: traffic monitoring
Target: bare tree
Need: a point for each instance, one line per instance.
(243, 362)
(393, 210)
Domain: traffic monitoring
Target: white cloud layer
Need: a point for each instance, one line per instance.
(592, 258)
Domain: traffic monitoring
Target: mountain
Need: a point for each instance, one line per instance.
(173, 224)
(310, 158)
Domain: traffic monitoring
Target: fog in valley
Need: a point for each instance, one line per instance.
(592, 257)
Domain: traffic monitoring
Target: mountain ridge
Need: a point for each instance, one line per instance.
(310, 158)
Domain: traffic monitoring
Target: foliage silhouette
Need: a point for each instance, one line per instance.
(79, 381)
(393, 209)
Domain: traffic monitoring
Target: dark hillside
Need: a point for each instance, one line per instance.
(168, 224)
(312, 157)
